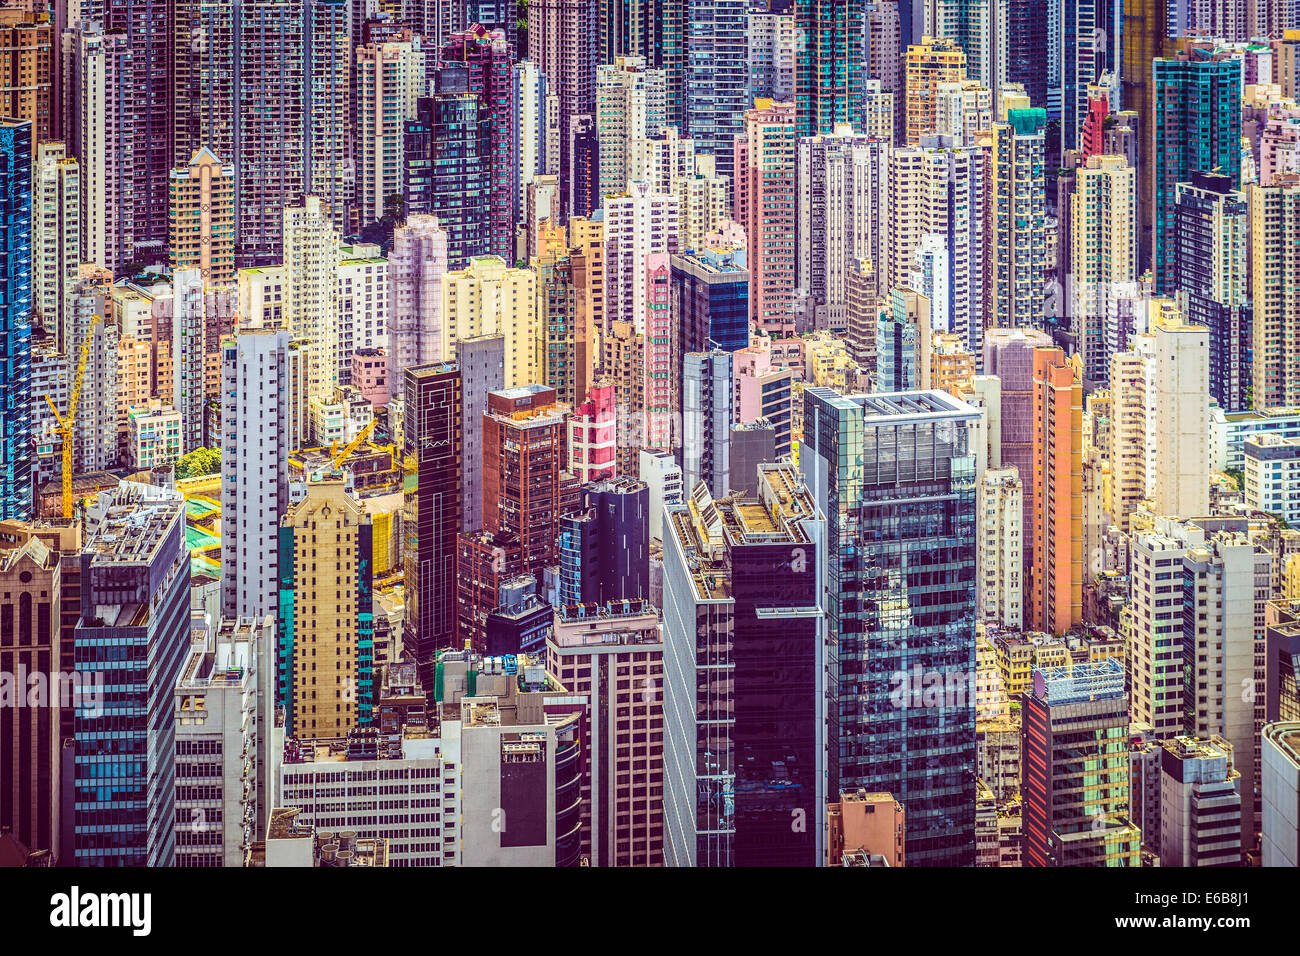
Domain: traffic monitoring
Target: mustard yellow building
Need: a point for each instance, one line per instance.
(325, 662)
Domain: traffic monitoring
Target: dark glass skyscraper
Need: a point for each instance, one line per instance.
(15, 318)
(744, 652)
(605, 546)
(490, 62)
(448, 165)
(1197, 120)
(431, 433)
(894, 474)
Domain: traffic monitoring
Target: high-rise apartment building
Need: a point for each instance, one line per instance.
(31, 48)
(1196, 107)
(490, 298)
(933, 61)
(491, 64)
(894, 475)
(1274, 292)
(255, 447)
(1181, 372)
(524, 435)
(390, 79)
(1056, 570)
(1001, 583)
(1018, 230)
(1075, 768)
(1103, 256)
(936, 239)
(828, 78)
(311, 289)
(56, 237)
(107, 127)
(631, 103)
(270, 133)
(715, 78)
(1212, 253)
(564, 40)
(325, 623)
(765, 191)
(417, 265)
(201, 220)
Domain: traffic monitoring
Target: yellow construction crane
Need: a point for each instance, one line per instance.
(67, 422)
(352, 446)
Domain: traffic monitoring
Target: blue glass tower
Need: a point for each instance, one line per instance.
(1197, 118)
(894, 475)
(15, 318)
(716, 92)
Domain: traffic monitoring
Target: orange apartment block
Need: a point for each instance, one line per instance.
(1056, 572)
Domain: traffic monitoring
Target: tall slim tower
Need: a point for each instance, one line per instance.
(764, 191)
(255, 447)
(311, 290)
(201, 230)
(431, 456)
(1056, 575)
(56, 236)
(15, 319)
(326, 614)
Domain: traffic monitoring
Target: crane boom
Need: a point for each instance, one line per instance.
(66, 422)
(352, 446)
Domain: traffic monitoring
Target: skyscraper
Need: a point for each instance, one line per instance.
(270, 134)
(1103, 257)
(715, 81)
(1056, 572)
(416, 267)
(894, 475)
(448, 168)
(326, 614)
(311, 291)
(255, 447)
(491, 79)
(524, 434)
(765, 190)
(1197, 127)
(1274, 292)
(828, 74)
(1019, 226)
(27, 71)
(134, 631)
(431, 452)
(932, 61)
(1075, 769)
(15, 318)
(56, 236)
(201, 221)
(390, 79)
(1212, 279)
(743, 667)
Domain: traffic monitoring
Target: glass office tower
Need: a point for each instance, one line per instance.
(894, 474)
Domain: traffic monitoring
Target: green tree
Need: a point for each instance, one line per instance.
(201, 461)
